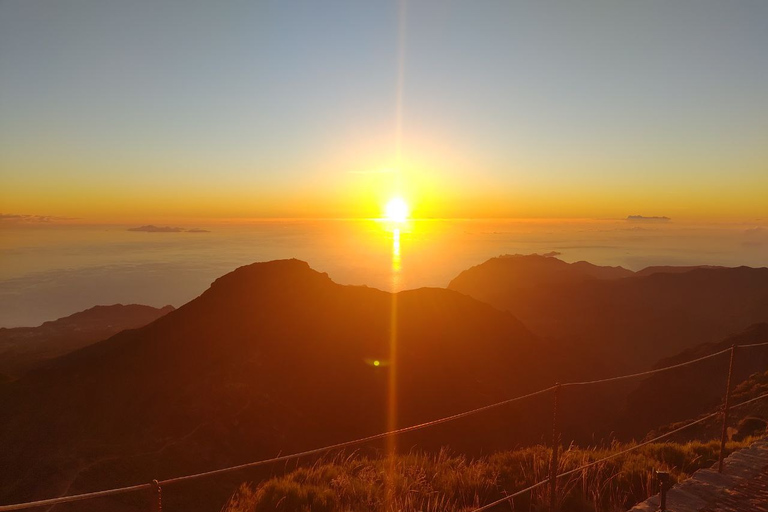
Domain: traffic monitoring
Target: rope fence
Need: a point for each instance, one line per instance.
(614, 455)
(156, 485)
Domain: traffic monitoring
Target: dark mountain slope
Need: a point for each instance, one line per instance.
(631, 321)
(23, 348)
(672, 269)
(273, 358)
(687, 392)
(522, 272)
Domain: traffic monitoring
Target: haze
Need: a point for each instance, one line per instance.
(383, 255)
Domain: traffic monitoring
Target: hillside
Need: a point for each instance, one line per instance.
(447, 481)
(273, 357)
(523, 272)
(24, 348)
(676, 395)
(631, 321)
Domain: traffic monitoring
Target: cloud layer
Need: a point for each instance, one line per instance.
(643, 218)
(150, 228)
(24, 218)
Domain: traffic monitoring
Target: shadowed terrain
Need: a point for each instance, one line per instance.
(24, 348)
(630, 320)
(680, 394)
(273, 358)
(276, 358)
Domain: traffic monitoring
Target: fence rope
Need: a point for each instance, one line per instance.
(615, 455)
(751, 345)
(649, 372)
(512, 496)
(374, 437)
(76, 497)
(347, 444)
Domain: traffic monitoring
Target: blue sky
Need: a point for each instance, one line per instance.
(113, 109)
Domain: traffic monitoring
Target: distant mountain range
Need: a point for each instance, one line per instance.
(24, 348)
(276, 357)
(630, 319)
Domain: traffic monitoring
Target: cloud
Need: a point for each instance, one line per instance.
(755, 237)
(150, 228)
(22, 218)
(642, 218)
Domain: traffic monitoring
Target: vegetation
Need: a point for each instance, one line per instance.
(445, 482)
(756, 385)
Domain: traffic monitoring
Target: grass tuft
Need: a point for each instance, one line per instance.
(445, 482)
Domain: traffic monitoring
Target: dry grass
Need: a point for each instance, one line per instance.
(444, 482)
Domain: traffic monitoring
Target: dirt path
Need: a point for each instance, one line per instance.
(742, 487)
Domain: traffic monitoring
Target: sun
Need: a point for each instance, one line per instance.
(397, 210)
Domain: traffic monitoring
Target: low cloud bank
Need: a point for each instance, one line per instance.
(149, 228)
(643, 218)
(22, 218)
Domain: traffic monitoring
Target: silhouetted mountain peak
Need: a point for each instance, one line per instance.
(530, 259)
(532, 270)
(268, 275)
(263, 284)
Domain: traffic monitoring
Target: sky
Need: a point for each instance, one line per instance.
(177, 111)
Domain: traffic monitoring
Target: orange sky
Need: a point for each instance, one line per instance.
(126, 113)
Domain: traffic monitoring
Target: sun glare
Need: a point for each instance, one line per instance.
(397, 210)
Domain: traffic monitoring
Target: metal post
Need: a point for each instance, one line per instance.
(156, 499)
(663, 477)
(725, 411)
(555, 448)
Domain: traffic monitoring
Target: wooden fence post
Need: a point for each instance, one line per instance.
(663, 477)
(725, 411)
(156, 499)
(555, 447)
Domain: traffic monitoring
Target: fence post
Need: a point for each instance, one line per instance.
(156, 499)
(555, 448)
(725, 411)
(663, 477)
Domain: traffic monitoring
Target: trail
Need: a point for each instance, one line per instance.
(742, 486)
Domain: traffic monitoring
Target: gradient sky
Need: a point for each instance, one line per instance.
(160, 110)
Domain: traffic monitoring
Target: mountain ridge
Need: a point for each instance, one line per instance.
(635, 320)
(272, 357)
(25, 348)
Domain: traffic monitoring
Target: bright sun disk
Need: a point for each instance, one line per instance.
(397, 210)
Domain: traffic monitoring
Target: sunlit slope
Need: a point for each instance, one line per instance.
(273, 357)
(632, 320)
